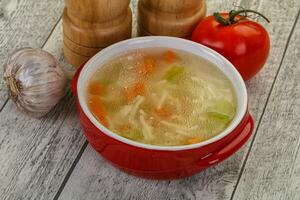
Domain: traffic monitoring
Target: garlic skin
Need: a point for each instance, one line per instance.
(34, 80)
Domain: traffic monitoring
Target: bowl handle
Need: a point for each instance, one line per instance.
(230, 148)
(75, 80)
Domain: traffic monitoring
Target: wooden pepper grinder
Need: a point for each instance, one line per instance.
(176, 18)
(91, 25)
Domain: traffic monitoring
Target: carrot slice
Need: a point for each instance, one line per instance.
(134, 91)
(163, 112)
(96, 88)
(130, 94)
(98, 109)
(139, 88)
(170, 56)
(149, 64)
(194, 140)
(147, 67)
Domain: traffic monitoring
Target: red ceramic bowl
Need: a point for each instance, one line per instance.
(161, 162)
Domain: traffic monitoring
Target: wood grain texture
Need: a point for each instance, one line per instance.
(35, 155)
(273, 167)
(169, 17)
(92, 10)
(75, 59)
(93, 34)
(85, 51)
(93, 178)
(170, 6)
(93, 25)
(133, 6)
(25, 23)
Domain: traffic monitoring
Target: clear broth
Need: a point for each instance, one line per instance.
(162, 97)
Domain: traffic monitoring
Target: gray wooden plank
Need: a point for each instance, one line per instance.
(35, 155)
(273, 167)
(93, 178)
(25, 23)
(215, 183)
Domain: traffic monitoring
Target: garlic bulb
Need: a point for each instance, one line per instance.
(34, 80)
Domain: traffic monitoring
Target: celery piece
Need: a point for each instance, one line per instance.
(222, 110)
(219, 115)
(213, 125)
(174, 73)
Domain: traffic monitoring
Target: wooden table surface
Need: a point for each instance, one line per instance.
(50, 159)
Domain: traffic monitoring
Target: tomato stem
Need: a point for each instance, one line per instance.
(220, 19)
(233, 14)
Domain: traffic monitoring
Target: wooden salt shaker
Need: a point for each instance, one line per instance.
(91, 25)
(176, 18)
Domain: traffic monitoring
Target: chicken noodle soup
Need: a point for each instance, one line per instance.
(162, 97)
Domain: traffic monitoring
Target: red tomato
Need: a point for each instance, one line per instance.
(244, 43)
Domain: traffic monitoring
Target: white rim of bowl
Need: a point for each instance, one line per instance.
(164, 42)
